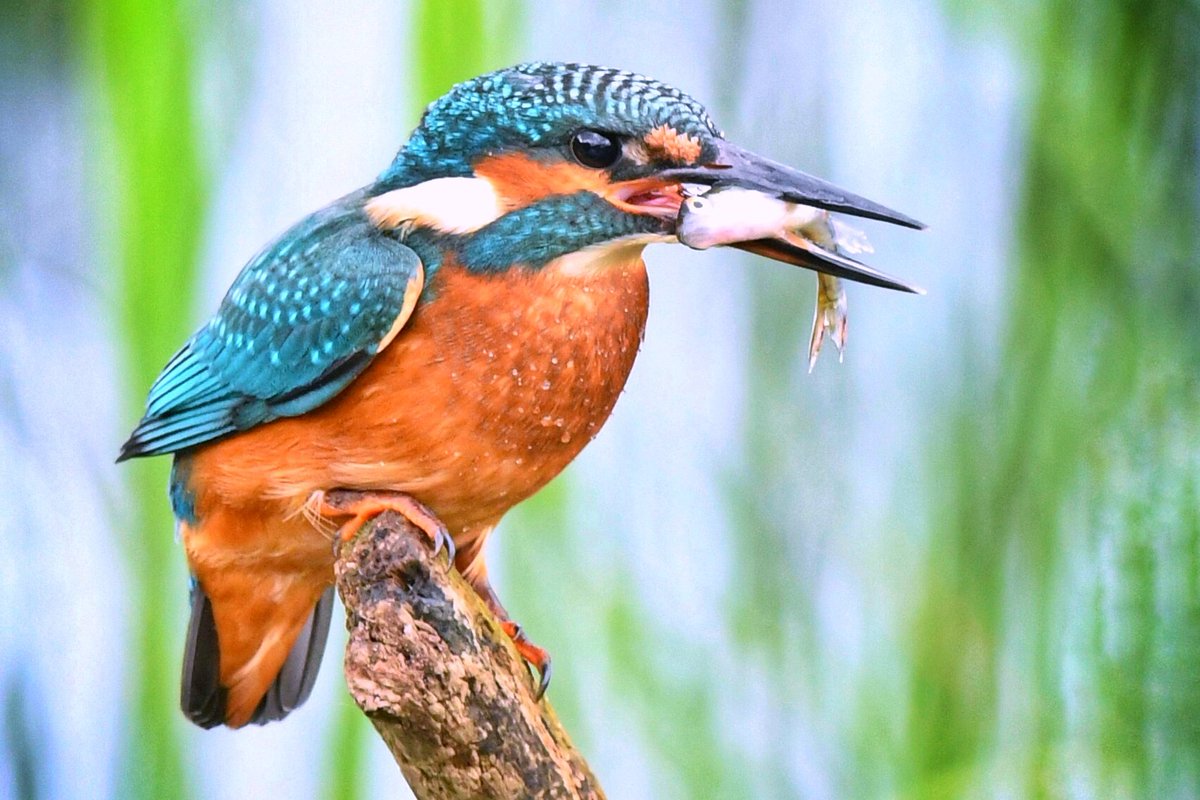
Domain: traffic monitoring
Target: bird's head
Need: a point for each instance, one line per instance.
(530, 163)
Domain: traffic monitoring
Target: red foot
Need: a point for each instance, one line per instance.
(538, 658)
(364, 507)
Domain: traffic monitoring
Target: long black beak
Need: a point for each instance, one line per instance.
(736, 166)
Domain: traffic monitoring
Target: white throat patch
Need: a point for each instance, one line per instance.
(603, 256)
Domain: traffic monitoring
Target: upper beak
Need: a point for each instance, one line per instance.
(737, 166)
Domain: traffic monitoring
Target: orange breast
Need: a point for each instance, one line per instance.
(494, 386)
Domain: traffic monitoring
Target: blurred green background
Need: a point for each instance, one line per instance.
(965, 563)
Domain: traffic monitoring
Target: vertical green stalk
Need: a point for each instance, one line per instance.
(459, 39)
(348, 752)
(448, 46)
(141, 53)
(774, 499)
(452, 40)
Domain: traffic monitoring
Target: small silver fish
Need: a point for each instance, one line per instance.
(732, 214)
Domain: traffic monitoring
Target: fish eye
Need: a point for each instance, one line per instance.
(595, 149)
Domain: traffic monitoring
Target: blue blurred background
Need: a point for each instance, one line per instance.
(964, 563)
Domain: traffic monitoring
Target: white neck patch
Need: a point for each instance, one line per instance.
(447, 205)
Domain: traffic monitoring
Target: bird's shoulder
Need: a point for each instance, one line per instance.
(303, 318)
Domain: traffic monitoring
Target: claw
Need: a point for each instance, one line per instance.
(535, 656)
(365, 507)
(443, 540)
(544, 682)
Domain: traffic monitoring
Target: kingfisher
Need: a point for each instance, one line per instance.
(443, 342)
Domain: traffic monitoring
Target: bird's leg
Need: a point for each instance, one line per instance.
(361, 507)
(535, 656)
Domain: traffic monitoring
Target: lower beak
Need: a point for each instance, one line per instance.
(821, 260)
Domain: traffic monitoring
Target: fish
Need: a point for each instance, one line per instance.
(730, 214)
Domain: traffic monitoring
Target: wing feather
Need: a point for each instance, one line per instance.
(302, 320)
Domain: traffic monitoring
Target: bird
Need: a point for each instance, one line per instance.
(443, 342)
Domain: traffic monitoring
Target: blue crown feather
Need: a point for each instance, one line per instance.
(537, 104)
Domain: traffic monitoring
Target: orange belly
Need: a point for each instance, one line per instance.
(494, 386)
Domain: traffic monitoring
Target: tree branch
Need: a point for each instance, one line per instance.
(441, 682)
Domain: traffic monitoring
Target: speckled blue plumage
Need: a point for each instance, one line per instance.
(300, 322)
(539, 104)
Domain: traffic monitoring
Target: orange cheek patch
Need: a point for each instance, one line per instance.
(673, 145)
(521, 181)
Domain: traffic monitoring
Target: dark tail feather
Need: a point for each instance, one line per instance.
(202, 695)
(295, 681)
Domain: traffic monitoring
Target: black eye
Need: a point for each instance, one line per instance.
(595, 149)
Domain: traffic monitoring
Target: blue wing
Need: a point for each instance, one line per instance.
(302, 320)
